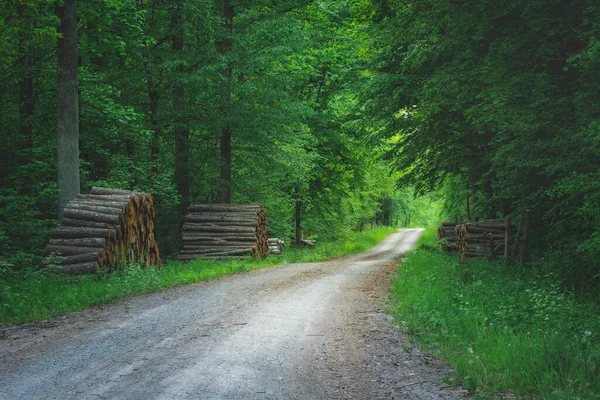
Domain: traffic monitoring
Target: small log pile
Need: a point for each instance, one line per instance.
(275, 246)
(104, 230)
(485, 239)
(448, 237)
(224, 230)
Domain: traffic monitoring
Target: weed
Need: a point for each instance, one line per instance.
(28, 295)
(503, 330)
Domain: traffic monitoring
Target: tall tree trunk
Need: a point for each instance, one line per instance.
(68, 107)
(26, 100)
(182, 133)
(154, 123)
(468, 205)
(225, 153)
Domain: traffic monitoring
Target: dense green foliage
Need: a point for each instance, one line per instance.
(496, 99)
(489, 107)
(283, 80)
(32, 296)
(504, 331)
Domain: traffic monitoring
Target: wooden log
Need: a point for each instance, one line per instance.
(222, 217)
(91, 216)
(114, 198)
(195, 249)
(478, 229)
(237, 252)
(216, 250)
(223, 207)
(213, 244)
(217, 238)
(74, 269)
(94, 208)
(110, 192)
(217, 229)
(78, 223)
(192, 258)
(81, 258)
(486, 226)
(99, 203)
(70, 250)
(240, 223)
(74, 233)
(309, 243)
(480, 238)
(85, 242)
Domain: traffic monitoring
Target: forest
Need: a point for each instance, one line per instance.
(334, 114)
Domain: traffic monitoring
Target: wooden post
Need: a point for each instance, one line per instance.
(507, 232)
(525, 238)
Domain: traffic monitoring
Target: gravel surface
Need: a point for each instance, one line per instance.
(300, 331)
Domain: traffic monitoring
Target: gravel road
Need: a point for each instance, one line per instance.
(300, 331)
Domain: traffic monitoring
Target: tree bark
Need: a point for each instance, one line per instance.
(154, 124)
(215, 228)
(507, 238)
(213, 237)
(81, 233)
(182, 133)
(68, 107)
(91, 216)
(97, 242)
(524, 247)
(75, 269)
(94, 208)
(26, 99)
(468, 204)
(223, 208)
(71, 250)
(226, 46)
(222, 220)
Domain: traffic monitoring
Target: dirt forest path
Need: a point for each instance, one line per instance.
(299, 331)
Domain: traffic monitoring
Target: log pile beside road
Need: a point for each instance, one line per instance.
(103, 231)
(224, 230)
(448, 237)
(275, 246)
(484, 239)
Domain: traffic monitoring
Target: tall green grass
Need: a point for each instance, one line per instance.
(29, 295)
(512, 330)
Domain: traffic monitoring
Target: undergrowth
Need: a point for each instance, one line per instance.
(514, 330)
(27, 294)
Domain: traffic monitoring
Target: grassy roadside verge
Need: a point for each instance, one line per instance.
(503, 331)
(32, 296)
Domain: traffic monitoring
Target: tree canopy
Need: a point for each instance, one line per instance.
(332, 110)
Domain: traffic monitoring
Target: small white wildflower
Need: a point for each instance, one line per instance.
(587, 333)
(470, 350)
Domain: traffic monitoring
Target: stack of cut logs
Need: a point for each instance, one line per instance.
(481, 239)
(105, 230)
(224, 230)
(275, 246)
(447, 235)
